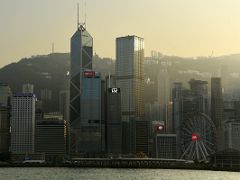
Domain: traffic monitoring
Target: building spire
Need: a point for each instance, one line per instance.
(78, 22)
(85, 20)
(52, 48)
(81, 25)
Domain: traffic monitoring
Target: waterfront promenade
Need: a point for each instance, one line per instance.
(116, 163)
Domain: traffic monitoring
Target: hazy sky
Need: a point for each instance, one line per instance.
(173, 27)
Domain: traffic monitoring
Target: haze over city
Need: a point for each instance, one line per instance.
(183, 28)
(127, 89)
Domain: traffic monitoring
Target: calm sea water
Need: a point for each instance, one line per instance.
(105, 174)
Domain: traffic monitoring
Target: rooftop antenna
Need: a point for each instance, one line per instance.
(109, 80)
(78, 22)
(85, 5)
(211, 54)
(52, 48)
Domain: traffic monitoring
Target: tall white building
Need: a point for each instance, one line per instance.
(27, 88)
(130, 77)
(23, 123)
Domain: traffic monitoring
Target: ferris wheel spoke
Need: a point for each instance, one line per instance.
(193, 125)
(189, 127)
(197, 150)
(208, 129)
(191, 151)
(187, 144)
(186, 151)
(198, 122)
(202, 125)
(209, 134)
(208, 148)
(203, 152)
(206, 141)
(187, 130)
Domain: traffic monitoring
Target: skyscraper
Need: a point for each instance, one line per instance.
(130, 79)
(4, 129)
(177, 114)
(89, 134)
(114, 122)
(64, 104)
(217, 111)
(46, 97)
(216, 101)
(81, 58)
(23, 123)
(27, 88)
(5, 94)
(163, 93)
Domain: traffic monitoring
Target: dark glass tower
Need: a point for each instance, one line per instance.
(81, 59)
(216, 101)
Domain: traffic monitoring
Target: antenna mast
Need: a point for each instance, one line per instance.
(109, 80)
(52, 48)
(78, 23)
(85, 5)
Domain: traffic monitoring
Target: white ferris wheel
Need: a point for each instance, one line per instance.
(198, 138)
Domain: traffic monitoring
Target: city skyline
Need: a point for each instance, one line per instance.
(186, 28)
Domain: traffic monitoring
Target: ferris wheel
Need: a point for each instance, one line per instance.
(198, 137)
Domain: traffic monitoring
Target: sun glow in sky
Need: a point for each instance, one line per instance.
(173, 27)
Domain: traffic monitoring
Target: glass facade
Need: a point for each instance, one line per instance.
(90, 123)
(129, 72)
(130, 79)
(81, 58)
(23, 123)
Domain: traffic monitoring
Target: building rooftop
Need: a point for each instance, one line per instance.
(24, 95)
(3, 84)
(129, 36)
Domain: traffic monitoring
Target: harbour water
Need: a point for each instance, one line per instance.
(112, 174)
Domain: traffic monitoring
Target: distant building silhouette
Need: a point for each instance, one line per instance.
(163, 94)
(27, 88)
(64, 104)
(216, 101)
(5, 94)
(46, 97)
(217, 111)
